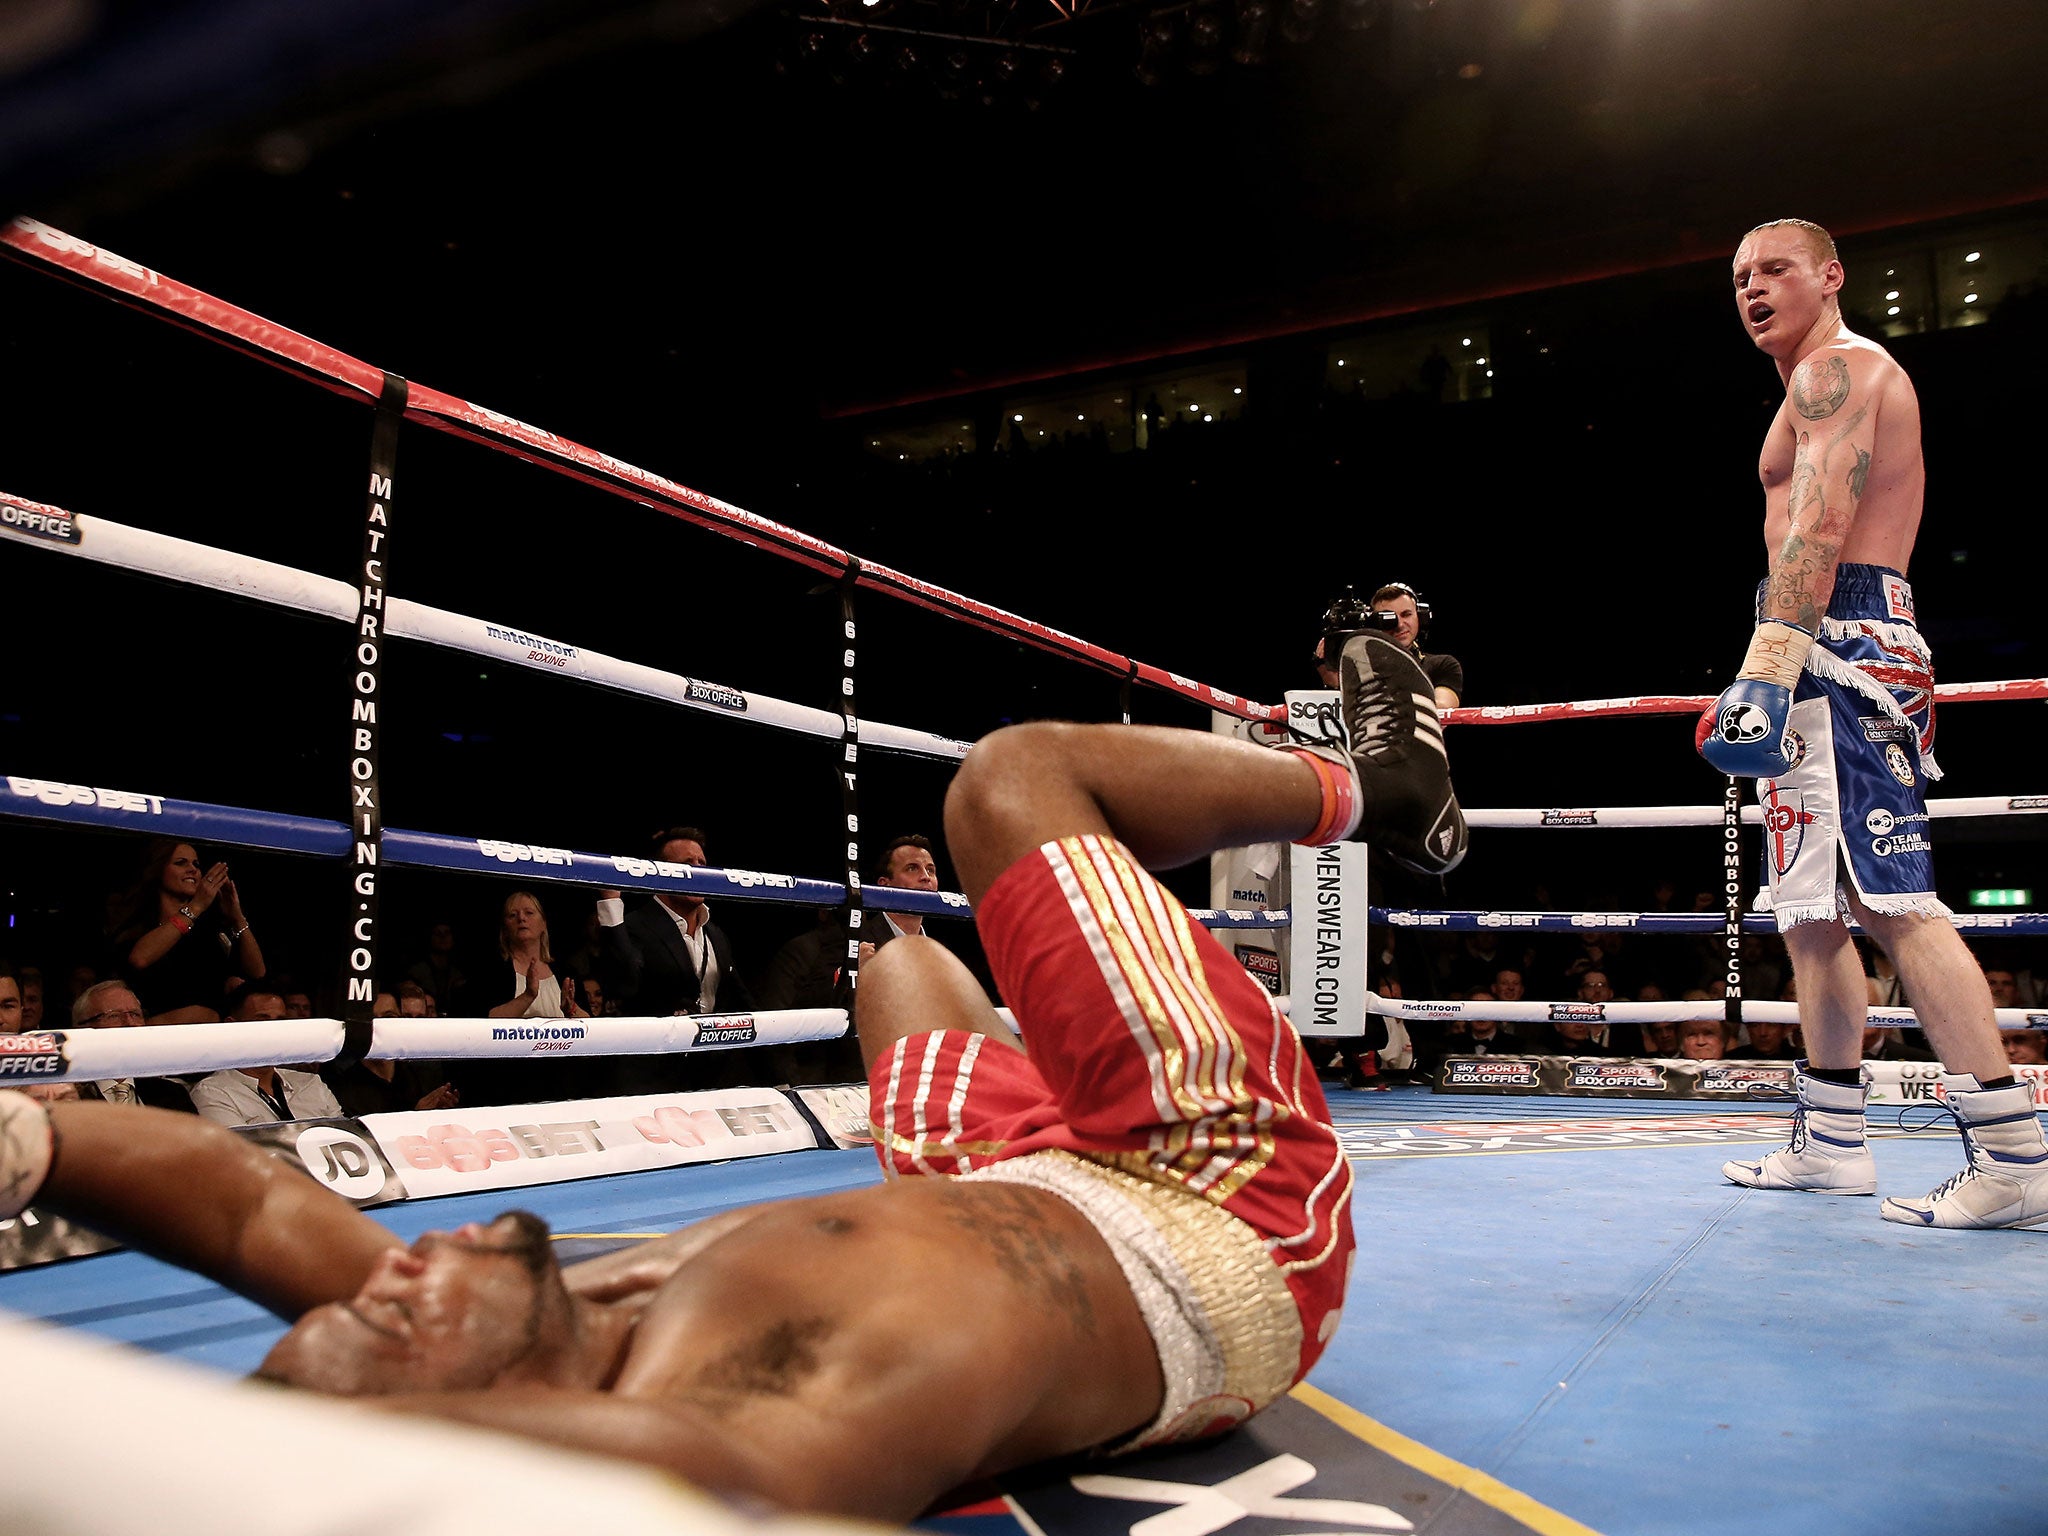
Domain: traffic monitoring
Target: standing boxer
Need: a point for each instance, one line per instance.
(1832, 713)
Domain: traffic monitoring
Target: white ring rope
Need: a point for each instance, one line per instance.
(265, 581)
(164, 1050)
(1673, 1012)
(1710, 815)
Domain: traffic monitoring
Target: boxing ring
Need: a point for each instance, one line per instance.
(1565, 1336)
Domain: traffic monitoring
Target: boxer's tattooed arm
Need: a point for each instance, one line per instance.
(1819, 386)
(1859, 477)
(1803, 574)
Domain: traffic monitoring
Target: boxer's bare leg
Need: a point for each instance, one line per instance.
(915, 985)
(1833, 996)
(1169, 795)
(1950, 997)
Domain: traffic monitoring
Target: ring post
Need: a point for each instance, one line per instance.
(366, 799)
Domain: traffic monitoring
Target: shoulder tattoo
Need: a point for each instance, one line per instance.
(1819, 386)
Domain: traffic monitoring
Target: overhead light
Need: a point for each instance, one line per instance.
(1973, 256)
(1489, 373)
(1892, 295)
(1891, 271)
(1238, 391)
(1208, 418)
(1466, 342)
(1079, 417)
(1340, 362)
(1479, 362)
(1018, 417)
(1969, 298)
(1893, 310)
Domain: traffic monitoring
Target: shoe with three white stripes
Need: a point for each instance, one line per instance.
(1397, 748)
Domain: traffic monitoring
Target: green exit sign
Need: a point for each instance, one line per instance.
(2019, 897)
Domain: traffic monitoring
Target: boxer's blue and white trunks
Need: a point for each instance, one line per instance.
(1863, 716)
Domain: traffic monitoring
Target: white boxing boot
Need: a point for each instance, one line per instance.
(1827, 1153)
(2005, 1183)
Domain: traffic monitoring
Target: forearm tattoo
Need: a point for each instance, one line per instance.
(1803, 575)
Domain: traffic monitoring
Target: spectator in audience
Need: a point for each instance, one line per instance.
(1659, 1039)
(76, 981)
(1882, 1044)
(1769, 1042)
(810, 970)
(594, 1001)
(1508, 985)
(669, 956)
(384, 1087)
(112, 1005)
(525, 986)
(438, 973)
(1488, 1037)
(1576, 1037)
(11, 1024)
(298, 1005)
(415, 1001)
(2004, 986)
(1886, 989)
(1616, 1039)
(1480, 957)
(2025, 1047)
(904, 863)
(30, 980)
(182, 934)
(1703, 1040)
(1649, 992)
(261, 1095)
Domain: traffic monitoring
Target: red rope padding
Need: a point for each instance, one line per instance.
(1662, 704)
(137, 285)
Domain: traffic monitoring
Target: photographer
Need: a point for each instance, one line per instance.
(1398, 612)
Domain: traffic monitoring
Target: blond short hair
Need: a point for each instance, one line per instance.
(1818, 240)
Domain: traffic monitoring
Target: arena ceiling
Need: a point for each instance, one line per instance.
(921, 197)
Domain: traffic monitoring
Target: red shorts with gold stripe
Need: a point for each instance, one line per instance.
(1151, 1053)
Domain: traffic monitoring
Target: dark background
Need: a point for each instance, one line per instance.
(696, 238)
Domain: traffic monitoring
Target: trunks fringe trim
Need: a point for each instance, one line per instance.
(1824, 663)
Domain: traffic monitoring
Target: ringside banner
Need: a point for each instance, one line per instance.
(383, 1159)
(446, 1153)
(1612, 1078)
(1919, 1082)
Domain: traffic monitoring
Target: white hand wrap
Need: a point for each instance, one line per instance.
(27, 1144)
(1777, 653)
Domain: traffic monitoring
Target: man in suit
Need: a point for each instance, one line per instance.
(667, 957)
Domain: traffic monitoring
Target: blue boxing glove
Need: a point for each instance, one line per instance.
(1743, 733)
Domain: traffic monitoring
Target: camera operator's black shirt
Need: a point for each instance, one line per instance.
(1443, 672)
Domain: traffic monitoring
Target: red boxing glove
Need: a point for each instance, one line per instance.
(1709, 717)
